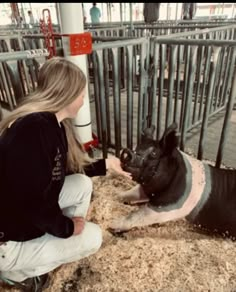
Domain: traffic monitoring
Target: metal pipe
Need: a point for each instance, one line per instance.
(176, 11)
(21, 55)
(71, 17)
(112, 44)
(233, 6)
(121, 14)
(131, 18)
(168, 11)
(195, 42)
(226, 124)
(197, 32)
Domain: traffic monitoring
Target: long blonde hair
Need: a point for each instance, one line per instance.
(60, 82)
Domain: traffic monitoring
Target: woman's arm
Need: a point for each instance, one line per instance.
(100, 167)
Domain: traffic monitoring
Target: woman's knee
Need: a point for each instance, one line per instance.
(92, 235)
(84, 182)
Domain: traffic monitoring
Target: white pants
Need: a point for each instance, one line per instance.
(21, 260)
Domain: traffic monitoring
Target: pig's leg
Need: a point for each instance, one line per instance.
(144, 216)
(135, 195)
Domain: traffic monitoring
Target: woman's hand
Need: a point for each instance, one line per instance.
(114, 163)
(78, 224)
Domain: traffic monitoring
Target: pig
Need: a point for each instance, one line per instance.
(172, 185)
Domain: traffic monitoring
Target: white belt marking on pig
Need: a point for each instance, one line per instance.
(193, 201)
(204, 196)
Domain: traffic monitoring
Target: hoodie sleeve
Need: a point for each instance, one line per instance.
(98, 168)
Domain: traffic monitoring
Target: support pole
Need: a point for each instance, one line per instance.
(131, 18)
(176, 11)
(71, 22)
(121, 14)
(168, 11)
(15, 12)
(233, 5)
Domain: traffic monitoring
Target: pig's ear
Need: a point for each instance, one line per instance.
(148, 132)
(170, 139)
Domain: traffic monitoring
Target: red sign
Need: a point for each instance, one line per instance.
(80, 44)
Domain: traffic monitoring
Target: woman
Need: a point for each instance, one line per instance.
(45, 189)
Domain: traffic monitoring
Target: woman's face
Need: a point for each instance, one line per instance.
(73, 108)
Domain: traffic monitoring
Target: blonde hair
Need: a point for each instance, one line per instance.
(60, 82)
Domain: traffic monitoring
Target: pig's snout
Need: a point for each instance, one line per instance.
(132, 162)
(126, 156)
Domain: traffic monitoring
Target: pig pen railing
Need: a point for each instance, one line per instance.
(190, 72)
(124, 88)
(116, 31)
(104, 89)
(167, 29)
(194, 73)
(33, 39)
(18, 75)
(215, 22)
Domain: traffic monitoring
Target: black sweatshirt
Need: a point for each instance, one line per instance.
(32, 172)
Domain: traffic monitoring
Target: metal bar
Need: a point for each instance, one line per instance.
(9, 37)
(15, 79)
(19, 55)
(233, 6)
(225, 79)
(199, 73)
(122, 67)
(185, 84)
(161, 86)
(153, 102)
(129, 54)
(177, 85)
(131, 16)
(142, 87)
(206, 73)
(186, 26)
(228, 80)
(116, 100)
(195, 42)
(207, 109)
(226, 124)
(96, 96)
(146, 94)
(8, 93)
(218, 79)
(189, 94)
(107, 92)
(191, 77)
(110, 45)
(172, 68)
(102, 101)
(176, 11)
(27, 77)
(192, 33)
(121, 14)
(220, 83)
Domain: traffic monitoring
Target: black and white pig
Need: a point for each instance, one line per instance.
(176, 185)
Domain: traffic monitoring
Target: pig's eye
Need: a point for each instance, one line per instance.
(126, 156)
(154, 154)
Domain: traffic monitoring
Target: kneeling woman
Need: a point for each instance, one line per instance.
(45, 187)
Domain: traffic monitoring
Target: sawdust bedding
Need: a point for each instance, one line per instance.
(168, 257)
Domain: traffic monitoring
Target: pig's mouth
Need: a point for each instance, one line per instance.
(135, 172)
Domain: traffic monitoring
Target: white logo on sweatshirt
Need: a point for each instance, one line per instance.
(57, 172)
